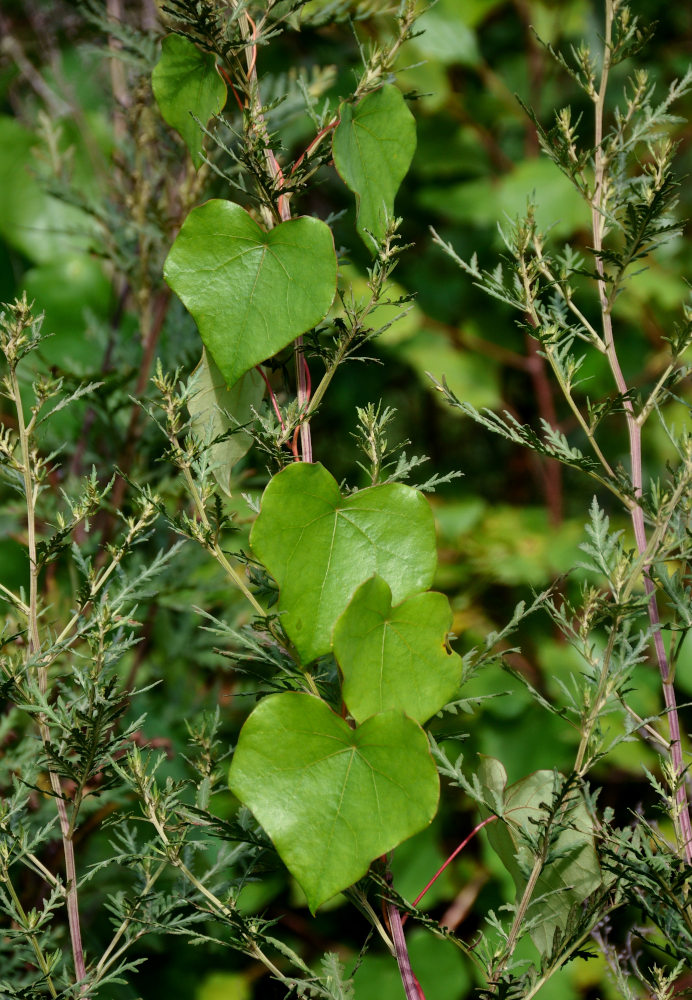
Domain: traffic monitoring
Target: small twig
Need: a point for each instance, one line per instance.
(272, 397)
(452, 856)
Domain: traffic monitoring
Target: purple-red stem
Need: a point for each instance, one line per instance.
(412, 987)
(683, 824)
(303, 391)
(272, 397)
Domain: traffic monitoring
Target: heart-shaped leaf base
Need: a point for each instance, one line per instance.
(320, 547)
(250, 292)
(332, 798)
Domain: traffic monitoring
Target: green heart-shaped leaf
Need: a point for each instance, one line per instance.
(186, 82)
(217, 410)
(320, 546)
(250, 292)
(396, 658)
(573, 872)
(373, 146)
(332, 798)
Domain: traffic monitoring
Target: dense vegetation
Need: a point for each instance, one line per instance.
(150, 609)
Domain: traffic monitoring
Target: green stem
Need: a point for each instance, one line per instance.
(214, 546)
(40, 957)
(34, 649)
(110, 955)
(16, 601)
(520, 913)
(598, 702)
(253, 948)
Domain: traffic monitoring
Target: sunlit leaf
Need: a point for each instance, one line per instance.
(251, 292)
(396, 657)
(332, 798)
(320, 547)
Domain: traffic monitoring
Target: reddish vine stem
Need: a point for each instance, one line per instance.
(412, 987)
(228, 80)
(309, 150)
(272, 397)
(303, 429)
(452, 856)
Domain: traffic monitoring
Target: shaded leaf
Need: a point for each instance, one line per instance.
(186, 82)
(559, 206)
(217, 410)
(571, 872)
(42, 227)
(373, 146)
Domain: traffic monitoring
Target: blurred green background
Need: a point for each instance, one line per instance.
(507, 529)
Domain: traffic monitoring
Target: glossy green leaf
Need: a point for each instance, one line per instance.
(217, 410)
(186, 82)
(396, 657)
(332, 798)
(320, 547)
(373, 146)
(250, 292)
(573, 872)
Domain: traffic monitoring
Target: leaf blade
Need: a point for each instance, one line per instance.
(320, 547)
(251, 292)
(395, 657)
(186, 80)
(373, 146)
(332, 798)
(214, 410)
